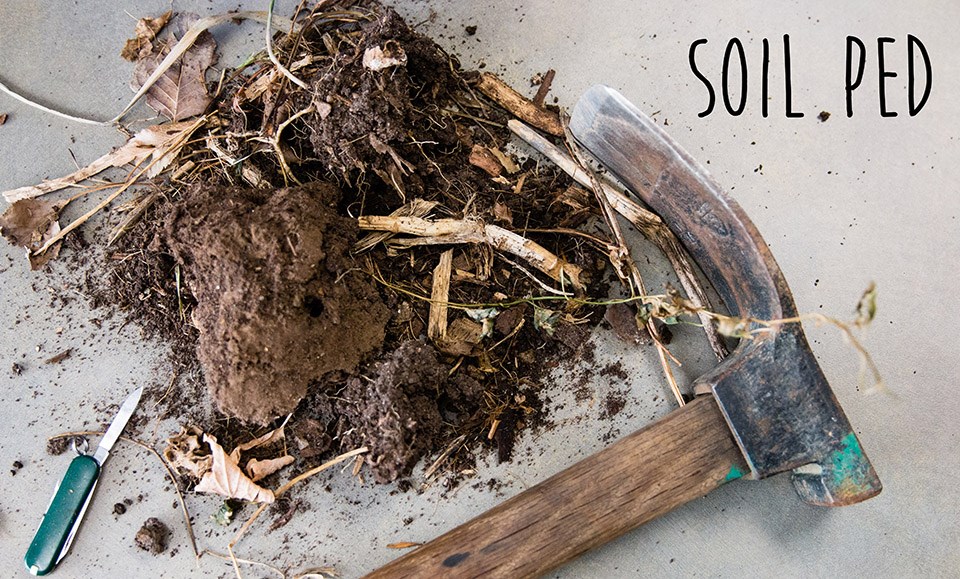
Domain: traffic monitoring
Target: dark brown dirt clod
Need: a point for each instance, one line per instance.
(277, 303)
(152, 536)
(398, 414)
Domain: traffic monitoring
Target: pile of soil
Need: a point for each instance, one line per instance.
(262, 287)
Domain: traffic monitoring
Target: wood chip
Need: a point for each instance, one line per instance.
(437, 324)
(521, 107)
(403, 545)
(59, 357)
(484, 158)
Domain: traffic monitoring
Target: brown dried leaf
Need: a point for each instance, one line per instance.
(226, 478)
(144, 34)
(258, 469)
(505, 160)
(29, 223)
(502, 213)
(274, 435)
(186, 453)
(181, 92)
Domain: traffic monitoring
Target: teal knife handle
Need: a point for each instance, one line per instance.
(68, 503)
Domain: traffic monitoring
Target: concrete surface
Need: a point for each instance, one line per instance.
(840, 202)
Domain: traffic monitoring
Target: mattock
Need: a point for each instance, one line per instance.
(764, 410)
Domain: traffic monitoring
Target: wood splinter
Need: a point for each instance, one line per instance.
(456, 231)
(437, 323)
(518, 105)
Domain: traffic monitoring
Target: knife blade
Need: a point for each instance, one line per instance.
(72, 496)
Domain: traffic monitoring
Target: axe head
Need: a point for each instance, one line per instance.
(772, 393)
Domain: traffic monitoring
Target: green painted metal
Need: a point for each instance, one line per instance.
(67, 504)
(734, 474)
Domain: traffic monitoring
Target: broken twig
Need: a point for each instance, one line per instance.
(518, 105)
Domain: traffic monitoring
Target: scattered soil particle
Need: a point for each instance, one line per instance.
(613, 404)
(822, 117)
(470, 30)
(17, 369)
(3, 118)
(17, 465)
(288, 509)
(58, 446)
(278, 302)
(507, 320)
(615, 370)
(505, 436)
(119, 509)
(152, 536)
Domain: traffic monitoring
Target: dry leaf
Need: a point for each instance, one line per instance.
(29, 223)
(181, 92)
(161, 142)
(186, 453)
(502, 213)
(274, 435)
(391, 54)
(258, 469)
(225, 478)
(144, 34)
(505, 160)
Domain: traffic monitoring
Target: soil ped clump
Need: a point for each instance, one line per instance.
(277, 305)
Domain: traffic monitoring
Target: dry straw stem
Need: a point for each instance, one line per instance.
(172, 148)
(156, 141)
(647, 222)
(521, 107)
(626, 268)
(456, 231)
(176, 52)
(416, 208)
(437, 323)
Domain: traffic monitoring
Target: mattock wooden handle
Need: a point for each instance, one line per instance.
(683, 456)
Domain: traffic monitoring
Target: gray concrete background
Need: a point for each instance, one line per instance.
(841, 203)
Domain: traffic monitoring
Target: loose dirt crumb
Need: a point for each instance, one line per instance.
(152, 536)
(58, 446)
